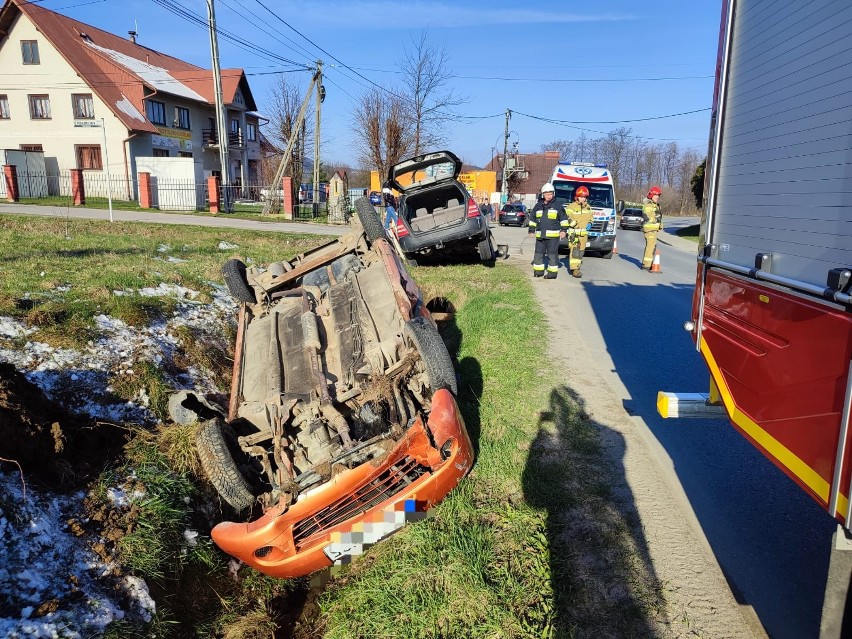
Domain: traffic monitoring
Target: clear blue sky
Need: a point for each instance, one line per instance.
(624, 42)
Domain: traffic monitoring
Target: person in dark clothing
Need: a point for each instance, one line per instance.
(549, 223)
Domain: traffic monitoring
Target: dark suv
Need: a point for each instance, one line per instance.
(436, 213)
(514, 214)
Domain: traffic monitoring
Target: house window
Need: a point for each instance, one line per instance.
(184, 154)
(84, 109)
(32, 147)
(160, 153)
(89, 157)
(39, 107)
(181, 118)
(29, 51)
(156, 111)
(4, 107)
(235, 126)
(251, 132)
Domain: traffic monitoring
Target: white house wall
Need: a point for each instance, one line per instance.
(56, 78)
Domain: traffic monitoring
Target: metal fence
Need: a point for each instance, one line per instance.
(168, 194)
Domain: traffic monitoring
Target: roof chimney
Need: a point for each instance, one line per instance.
(132, 35)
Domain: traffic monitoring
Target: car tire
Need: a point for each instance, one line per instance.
(373, 228)
(234, 273)
(425, 338)
(486, 249)
(525, 223)
(607, 255)
(211, 442)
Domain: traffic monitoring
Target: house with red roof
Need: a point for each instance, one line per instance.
(60, 77)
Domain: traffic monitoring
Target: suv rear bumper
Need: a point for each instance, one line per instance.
(471, 232)
(595, 243)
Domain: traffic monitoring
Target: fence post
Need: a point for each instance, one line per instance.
(145, 198)
(78, 190)
(213, 194)
(10, 173)
(287, 197)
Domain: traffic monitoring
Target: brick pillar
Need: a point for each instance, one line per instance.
(10, 173)
(145, 198)
(287, 197)
(214, 194)
(78, 190)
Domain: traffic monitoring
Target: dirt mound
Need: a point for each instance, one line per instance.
(61, 450)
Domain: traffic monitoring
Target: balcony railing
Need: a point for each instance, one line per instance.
(210, 137)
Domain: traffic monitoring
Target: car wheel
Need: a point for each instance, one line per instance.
(211, 442)
(234, 272)
(486, 249)
(526, 222)
(373, 228)
(607, 255)
(425, 338)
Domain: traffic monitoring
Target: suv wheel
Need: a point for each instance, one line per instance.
(486, 249)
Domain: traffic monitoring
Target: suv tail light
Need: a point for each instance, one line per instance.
(472, 209)
(401, 231)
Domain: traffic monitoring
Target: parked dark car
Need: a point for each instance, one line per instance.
(375, 198)
(437, 215)
(513, 214)
(632, 218)
(342, 414)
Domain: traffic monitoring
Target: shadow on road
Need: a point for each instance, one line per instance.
(603, 581)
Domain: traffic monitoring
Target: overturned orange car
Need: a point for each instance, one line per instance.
(343, 424)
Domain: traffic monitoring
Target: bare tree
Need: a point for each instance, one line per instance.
(426, 72)
(384, 129)
(284, 102)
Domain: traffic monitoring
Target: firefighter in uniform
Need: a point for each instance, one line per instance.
(580, 218)
(653, 224)
(549, 222)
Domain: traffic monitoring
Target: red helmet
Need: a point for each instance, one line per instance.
(655, 190)
(581, 192)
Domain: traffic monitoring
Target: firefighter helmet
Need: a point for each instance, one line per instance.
(655, 190)
(548, 188)
(581, 192)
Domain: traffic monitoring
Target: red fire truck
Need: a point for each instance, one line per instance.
(772, 310)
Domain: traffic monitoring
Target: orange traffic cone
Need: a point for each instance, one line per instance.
(655, 266)
(615, 246)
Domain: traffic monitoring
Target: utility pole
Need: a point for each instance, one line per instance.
(504, 190)
(221, 120)
(319, 99)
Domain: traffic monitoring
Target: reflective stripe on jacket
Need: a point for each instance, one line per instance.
(581, 217)
(653, 216)
(548, 220)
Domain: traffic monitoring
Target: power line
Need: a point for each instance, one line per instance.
(193, 18)
(656, 117)
(552, 79)
(578, 128)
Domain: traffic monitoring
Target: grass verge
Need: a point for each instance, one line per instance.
(690, 232)
(532, 543)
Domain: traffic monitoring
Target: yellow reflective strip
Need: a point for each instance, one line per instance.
(552, 269)
(552, 215)
(784, 455)
(538, 267)
(552, 233)
(564, 224)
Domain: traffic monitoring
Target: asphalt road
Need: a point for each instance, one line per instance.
(770, 539)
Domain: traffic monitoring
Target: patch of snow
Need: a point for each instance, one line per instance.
(164, 248)
(80, 379)
(137, 589)
(191, 537)
(11, 328)
(226, 246)
(43, 562)
(175, 260)
(126, 106)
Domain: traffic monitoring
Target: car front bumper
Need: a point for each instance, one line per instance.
(336, 522)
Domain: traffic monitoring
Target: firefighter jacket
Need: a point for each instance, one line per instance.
(580, 216)
(548, 220)
(653, 216)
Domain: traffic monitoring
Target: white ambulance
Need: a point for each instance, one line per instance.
(567, 177)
